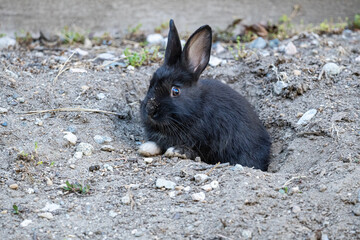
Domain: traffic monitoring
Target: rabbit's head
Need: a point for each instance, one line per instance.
(173, 96)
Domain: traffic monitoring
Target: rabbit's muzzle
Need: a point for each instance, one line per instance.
(152, 108)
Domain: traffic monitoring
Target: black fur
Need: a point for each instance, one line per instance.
(208, 117)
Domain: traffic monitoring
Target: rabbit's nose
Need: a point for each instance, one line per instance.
(152, 108)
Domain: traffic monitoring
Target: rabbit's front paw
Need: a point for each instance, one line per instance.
(181, 152)
(149, 148)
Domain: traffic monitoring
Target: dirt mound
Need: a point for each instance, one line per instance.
(312, 189)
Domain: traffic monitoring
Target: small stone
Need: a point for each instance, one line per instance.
(46, 215)
(87, 43)
(163, 183)
(106, 56)
(299, 115)
(126, 199)
(100, 96)
(94, 168)
(207, 187)
(215, 61)
(81, 52)
(6, 42)
(274, 43)
(290, 49)
(148, 160)
(130, 68)
(215, 184)
(77, 70)
(172, 194)
(187, 189)
(25, 223)
(148, 149)
(99, 139)
(30, 191)
(200, 178)
(296, 209)
(307, 117)
(72, 129)
(356, 210)
(246, 233)
(217, 46)
(3, 110)
(198, 159)
(70, 137)
(112, 214)
(108, 167)
(4, 124)
(50, 207)
(357, 59)
(72, 166)
(38, 122)
(14, 186)
(137, 233)
(155, 39)
(295, 189)
(279, 86)
(297, 72)
(198, 196)
(238, 167)
(322, 188)
(85, 148)
(49, 182)
(330, 70)
(78, 155)
(107, 148)
(258, 43)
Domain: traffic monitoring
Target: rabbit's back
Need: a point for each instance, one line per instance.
(232, 132)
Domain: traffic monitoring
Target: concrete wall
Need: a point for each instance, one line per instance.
(117, 16)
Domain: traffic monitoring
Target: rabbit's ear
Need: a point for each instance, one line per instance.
(173, 48)
(196, 53)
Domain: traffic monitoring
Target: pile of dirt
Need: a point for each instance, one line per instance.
(311, 191)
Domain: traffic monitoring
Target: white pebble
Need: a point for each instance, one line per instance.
(85, 148)
(214, 184)
(77, 70)
(81, 52)
(290, 49)
(155, 39)
(46, 215)
(207, 187)
(148, 149)
(126, 199)
(70, 137)
(200, 178)
(50, 207)
(148, 160)
(198, 196)
(25, 223)
(215, 61)
(78, 155)
(3, 110)
(307, 117)
(163, 183)
(107, 148)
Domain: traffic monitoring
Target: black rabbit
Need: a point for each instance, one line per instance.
(187, 117)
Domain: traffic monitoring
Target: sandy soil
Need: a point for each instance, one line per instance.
(311, 191)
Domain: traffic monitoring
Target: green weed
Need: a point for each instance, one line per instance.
(137, 59)
(2, 35)
(16, 209)
(23, 38)
(240, 52)
(71, 37)
(77, 188)
(161, 27)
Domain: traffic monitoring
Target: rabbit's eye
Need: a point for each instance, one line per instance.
(175, 91)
